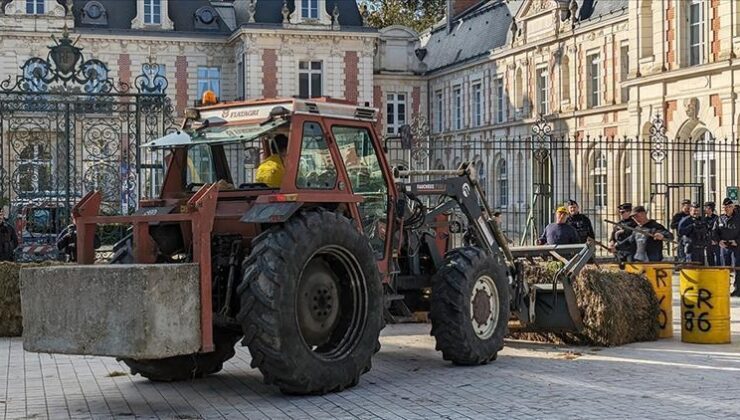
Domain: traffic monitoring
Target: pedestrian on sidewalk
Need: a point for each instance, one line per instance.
(675, 220)
(8, 238)
(580, 222)
(710, 218)
(694, 235)
(559, 232)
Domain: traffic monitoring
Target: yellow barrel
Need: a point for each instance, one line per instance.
(660, 277)
(705, 305)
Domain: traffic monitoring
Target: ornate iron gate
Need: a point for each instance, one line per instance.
(67, 128)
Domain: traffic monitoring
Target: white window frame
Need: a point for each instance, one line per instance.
(502, 183)
(396, 110)
(698, 45)
(310, 71)
(624, 69)
(594, 79)
(543, 90)
(37, 7)
(150, 16)
(705, 166)
(478, 107)
(208, 82)
(500, 100)
(599, 179)
(310, 9)
(37, 162)
(457, 111)
(439, 110)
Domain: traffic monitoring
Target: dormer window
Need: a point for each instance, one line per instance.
(310, 9)
(153, 15)
(35, 7)
(152, 12)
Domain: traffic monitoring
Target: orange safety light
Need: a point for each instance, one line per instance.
(209, 98)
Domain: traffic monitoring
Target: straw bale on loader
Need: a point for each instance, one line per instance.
(617, 307)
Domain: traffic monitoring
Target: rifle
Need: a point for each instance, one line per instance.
(645, 232)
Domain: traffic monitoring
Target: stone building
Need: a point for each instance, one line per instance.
(239, 49)
(603, 74)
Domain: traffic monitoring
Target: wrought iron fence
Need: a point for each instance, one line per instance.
(527, 178)
(67, 128)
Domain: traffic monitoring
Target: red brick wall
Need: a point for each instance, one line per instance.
(351, 76)
(181, 84)
(715, 30)
(124, 71)
(459, 6)
(671, 35)
(269, 73)
(717, 106)
(610, 132)
(670, 107)
(378, 103)
(416, 102)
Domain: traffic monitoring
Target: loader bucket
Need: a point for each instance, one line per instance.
(550, 305)
(149, 311)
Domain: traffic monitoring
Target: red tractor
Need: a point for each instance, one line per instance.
(303, 274)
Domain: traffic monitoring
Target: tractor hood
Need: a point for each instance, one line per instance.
(215, 133)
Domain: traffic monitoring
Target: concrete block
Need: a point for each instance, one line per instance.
(133, 311)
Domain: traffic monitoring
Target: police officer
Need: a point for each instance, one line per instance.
(694, 235)
(580, 222)
(648, 244)
(626, 252)
(726, 232)
(676, 219)
(710, 218)
(8, 238)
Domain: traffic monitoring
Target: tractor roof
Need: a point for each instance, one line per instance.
(242, 121)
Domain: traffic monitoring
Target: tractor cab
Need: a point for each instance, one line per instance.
(332, 159)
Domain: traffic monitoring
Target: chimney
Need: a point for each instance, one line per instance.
(455, 7)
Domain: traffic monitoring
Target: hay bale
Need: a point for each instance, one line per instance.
(10, 300)
(617, 308)
(10, 297)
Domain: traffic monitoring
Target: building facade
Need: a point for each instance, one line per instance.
(638, 97)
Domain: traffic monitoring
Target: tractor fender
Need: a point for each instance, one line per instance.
(271, 212)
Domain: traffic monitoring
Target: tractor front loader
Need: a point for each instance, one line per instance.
(472, 292)
(302, 273)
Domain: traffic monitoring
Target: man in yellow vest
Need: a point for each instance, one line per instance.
(271, 170)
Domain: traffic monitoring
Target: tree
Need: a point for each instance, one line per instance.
(417, 14)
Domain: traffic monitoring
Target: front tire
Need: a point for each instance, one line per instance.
(189, 366)
(311, 304)
(470, 307)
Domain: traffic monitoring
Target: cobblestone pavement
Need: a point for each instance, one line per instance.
(409, 380)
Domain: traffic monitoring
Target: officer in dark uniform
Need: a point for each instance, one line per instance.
(710, 218)
(625, 253)
(694, 235)
(580, 222)
(726, 232)
(8, 238)
(675, 220)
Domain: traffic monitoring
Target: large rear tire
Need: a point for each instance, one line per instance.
(190, 366)
(470, 306)
(311, 304)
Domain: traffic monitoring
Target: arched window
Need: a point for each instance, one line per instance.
(645, 35)
(565, 66)
(705, 166)
(502, 184)
(518, 92)
(598, 178)
(627, 170)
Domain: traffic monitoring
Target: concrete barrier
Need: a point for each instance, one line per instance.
(132, 311)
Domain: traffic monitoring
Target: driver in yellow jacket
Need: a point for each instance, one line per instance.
(271, 170)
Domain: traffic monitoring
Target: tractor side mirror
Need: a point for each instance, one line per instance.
(401, 208)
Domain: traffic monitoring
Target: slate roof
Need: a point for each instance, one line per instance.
(270, 11)
(487, 26)
(474, 34)
(121, 12)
